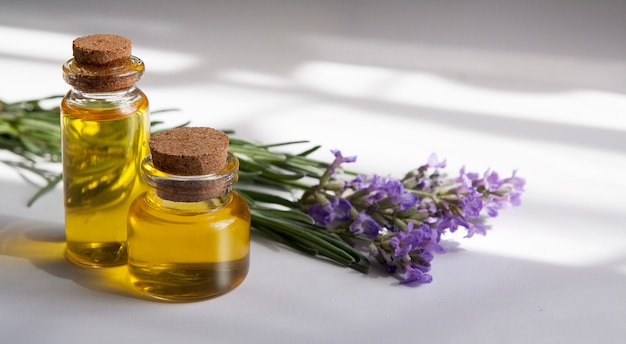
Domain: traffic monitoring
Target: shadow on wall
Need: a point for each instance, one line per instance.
(561, 44)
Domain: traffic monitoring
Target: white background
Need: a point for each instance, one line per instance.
(538, 86)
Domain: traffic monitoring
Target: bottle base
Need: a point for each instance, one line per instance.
(187, 282)
(96, 255)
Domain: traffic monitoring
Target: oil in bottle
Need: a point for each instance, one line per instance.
(189, 234)
(105, 132)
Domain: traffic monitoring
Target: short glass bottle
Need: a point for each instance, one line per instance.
(186, 244)
(105, 133)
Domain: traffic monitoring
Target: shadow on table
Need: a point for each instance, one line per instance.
(43, 243)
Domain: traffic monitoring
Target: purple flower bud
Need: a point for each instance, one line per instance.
(339, 159)
(405, 241)
(475, 228)
(320, 213)
(365, 225)
(341, 212)
(413, 274)
(434, 162)
(492, 206)
(472, 204)
(331, 214)
(492, 181)
(517, 182)
(515, 198)
(452, 222)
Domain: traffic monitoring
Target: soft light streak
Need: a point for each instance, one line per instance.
(55, 48)
(579, 107)
(253, 78)
(36, 45)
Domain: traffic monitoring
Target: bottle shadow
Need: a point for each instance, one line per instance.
(43, 244)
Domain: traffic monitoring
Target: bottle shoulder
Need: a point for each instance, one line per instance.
(148, 206)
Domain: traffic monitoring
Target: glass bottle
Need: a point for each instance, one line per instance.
(189, 234)
(105, 132)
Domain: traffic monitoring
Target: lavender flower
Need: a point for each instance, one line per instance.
(365, 225)
(433, 161)
(339, 159)
(405, 241)
(472, 203)
(414, 273)
(401, 222)
(331, 214)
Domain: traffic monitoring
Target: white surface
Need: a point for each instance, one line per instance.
(533, 85)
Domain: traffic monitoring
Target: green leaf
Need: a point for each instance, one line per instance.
(265, 197)
(305, 235)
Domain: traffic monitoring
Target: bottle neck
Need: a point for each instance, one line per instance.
(112, 98)
(191, 193)
(155, 199)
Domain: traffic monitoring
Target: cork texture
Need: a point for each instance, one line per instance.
(102, 49)
(102, 63)
(102, 83)
(190, 151)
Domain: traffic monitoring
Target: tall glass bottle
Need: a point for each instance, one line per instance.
(105, 132)
(189, 234)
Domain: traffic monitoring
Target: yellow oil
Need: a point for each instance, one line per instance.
(103, 144)
(187, 251)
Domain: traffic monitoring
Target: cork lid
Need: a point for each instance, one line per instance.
(190, 151)
(102, 63)
(102, 49)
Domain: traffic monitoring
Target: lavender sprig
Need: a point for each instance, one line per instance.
(401, 222)
(314, 206)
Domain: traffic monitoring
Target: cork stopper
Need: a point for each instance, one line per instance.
(190, 151)
(102, 63)
(102, 50)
